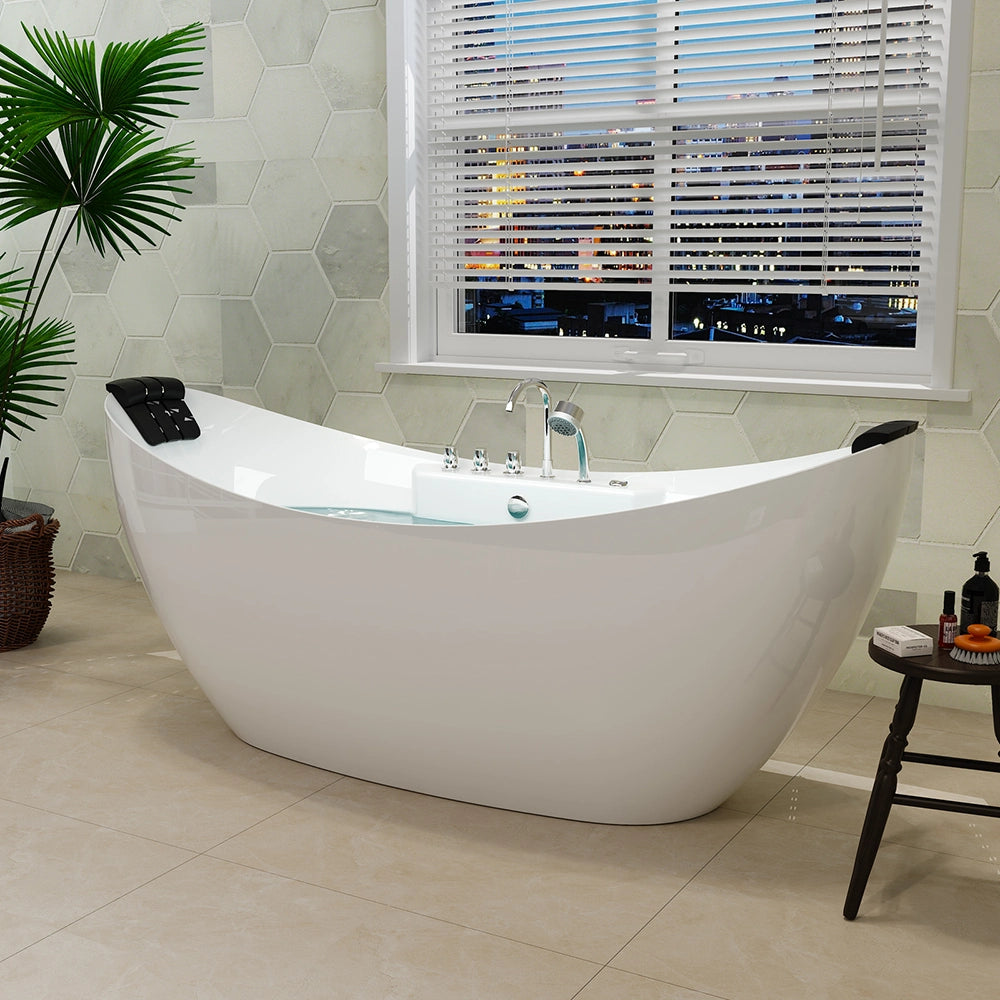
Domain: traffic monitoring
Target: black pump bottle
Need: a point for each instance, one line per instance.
(979, 597)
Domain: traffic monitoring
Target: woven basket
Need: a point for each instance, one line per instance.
(27, 576)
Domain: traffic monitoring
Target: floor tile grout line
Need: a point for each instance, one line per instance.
(97, 909)
(687, 882)
(397, 908)
(651, 979)
(25, 726)
(337, 778)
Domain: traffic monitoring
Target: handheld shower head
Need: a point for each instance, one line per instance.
(566, 419)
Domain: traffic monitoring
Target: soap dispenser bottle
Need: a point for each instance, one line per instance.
(979, 597)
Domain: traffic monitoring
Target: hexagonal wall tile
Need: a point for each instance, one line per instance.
(991, 432)
(289, 113)
(229, 10)
(354, 251)
(979, 277)
(982, 158)
(12, 15)
(352, 155)
(48, 455)
(428, 409)
(125, 20)
(236, 181)
(92, 495)
(194, 340)
(977, 360)
(145, 356)
(355, 337)
(290, 203)
(236, 70)
(84, 269)
(364, 414)
(84, 417)
(293, 298)
(294, 382)
(219, 141)
(704, 400)
(622, 421)
(286, 33)
(103, 555)
(143, 295)
(701, 441)
(241, 250)
(99, 335)
(951, 514)
(57, 293)
(245, 343)
(75, 18)
(349, 59)
(192, 252)
(780, 425)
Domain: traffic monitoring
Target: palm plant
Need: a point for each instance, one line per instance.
(79, 141)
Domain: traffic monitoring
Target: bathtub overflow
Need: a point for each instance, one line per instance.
(517, 507)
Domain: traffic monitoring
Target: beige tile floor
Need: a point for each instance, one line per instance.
(148, 854)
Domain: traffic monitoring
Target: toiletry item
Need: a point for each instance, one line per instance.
(902, 640)
(977, 647)
(979, 597)
(948, 622)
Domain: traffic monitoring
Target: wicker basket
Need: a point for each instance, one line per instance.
(27, 576)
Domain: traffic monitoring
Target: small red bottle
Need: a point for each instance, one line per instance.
(948, 622)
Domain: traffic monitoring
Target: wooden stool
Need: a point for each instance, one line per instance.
(937, 666)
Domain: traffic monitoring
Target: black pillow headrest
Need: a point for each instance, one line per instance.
(156, 406)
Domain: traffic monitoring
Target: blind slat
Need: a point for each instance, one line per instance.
(794, 144)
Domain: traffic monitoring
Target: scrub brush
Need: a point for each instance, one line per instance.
(977, 647)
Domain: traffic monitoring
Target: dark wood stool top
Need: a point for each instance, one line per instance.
(935, 666)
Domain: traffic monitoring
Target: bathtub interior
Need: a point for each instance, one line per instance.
(285, 462)
(289, 463)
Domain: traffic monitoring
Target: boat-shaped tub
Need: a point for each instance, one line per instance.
(621, 654)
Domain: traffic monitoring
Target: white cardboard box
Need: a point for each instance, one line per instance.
(902, 640)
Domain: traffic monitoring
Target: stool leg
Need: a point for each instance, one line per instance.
(883, 790)
(995, 691)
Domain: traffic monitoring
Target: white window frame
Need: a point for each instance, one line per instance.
(421, 343)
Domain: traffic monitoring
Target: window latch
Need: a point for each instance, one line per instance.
(659, 359)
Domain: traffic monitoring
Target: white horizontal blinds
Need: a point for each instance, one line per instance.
(803, 148)
(540, 156)
(736, 144)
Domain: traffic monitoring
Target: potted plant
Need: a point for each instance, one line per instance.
(80, 141)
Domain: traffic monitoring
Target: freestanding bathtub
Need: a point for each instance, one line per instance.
(622, 654)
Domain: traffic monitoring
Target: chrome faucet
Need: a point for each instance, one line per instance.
(547, 472)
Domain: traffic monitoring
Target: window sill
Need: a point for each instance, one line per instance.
(844, 386)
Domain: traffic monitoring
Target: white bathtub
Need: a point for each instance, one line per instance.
(632, 663)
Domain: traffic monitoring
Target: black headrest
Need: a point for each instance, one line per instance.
(156, 406)
(883, 434)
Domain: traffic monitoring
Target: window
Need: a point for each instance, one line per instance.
(679, 191)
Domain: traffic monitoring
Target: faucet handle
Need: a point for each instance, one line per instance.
(450, 459)
(513, 466)
(480, 461)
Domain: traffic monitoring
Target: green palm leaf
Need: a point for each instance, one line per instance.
(35, 351)
(37, 184)
(122, 185)
(13, 288)
(135, 84)
(77, 133)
